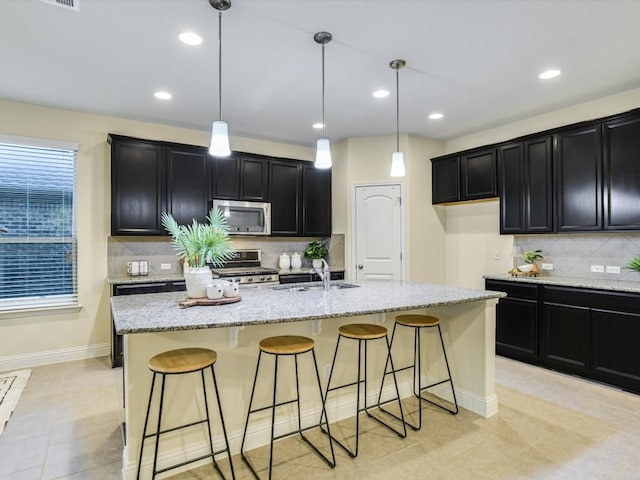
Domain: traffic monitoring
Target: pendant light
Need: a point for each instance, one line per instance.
(323, 149)
(219, 131)
(397, 159)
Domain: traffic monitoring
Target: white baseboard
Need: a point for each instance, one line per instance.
(28, 360)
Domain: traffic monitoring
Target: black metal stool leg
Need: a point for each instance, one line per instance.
(273, 414)
(146, 421)
(224, 427)
(324, 412)
(253, 391)
(155, 454)
(206, 410)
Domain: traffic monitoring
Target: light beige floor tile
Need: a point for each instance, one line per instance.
(29, 474)
(24, 454)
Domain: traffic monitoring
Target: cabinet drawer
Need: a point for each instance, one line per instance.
(604, 299)
(527, 291)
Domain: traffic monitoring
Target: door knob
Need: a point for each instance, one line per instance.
(360, 266)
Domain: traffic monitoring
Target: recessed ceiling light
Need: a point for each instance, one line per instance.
(318, 125)
(381, 93)
(549, 74)
(190, 38)
(163, 95)
(436, 116)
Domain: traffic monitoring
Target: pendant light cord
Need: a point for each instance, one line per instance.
(397, 111)
(219, 65)
(323, 136)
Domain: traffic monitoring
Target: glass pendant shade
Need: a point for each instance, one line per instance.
(397, 164)
(219, 140)
(323, 154)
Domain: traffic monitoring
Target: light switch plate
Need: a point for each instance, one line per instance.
(612, 269)
(547, 266)
(165, 266)
(597, 268)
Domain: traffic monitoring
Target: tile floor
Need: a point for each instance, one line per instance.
(550, 426)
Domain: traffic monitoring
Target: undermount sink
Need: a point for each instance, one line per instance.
(314, 287)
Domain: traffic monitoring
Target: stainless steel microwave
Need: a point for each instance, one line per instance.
(245, 218)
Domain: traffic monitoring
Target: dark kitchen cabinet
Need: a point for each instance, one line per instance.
(316, 201)
(578, 179)
(445, 180)
(469, 176)
(242, 176)
(307, 277)
(138, 186)
(588, 332)
(187, 195)
(285, 189)
(525, 172)
(621, 152)
(117, 351)
(516, 320)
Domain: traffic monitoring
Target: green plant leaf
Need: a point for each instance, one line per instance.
(634, 264)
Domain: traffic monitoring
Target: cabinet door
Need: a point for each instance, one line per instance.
(538, 194)
(445, 180)
(226, 178)
(511, 166)
(316, 201)
(622, 174)
(565, 341)
(253, 179)
(517, 328)
(479, 175)
(187, 189)
(285, 187)
(578, 180)
(615, 337)
(138, 187)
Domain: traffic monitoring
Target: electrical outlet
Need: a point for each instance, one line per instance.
(597, 268)
(496, 254)
(547, 266)
(326, 370)
(612, 269)
(165, 266)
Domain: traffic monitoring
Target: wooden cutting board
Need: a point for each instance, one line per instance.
(191, 302)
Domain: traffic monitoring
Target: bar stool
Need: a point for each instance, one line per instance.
(178, 362)
(286, 345)
(418, 322)
(363, 333)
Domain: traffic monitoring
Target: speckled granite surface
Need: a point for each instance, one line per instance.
(298, 271)
(127, 279)
(160, 312)
(600, 284)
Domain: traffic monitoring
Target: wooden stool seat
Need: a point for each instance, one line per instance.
(417, 321)
(362, 331)
(183, 360)
(286, 345)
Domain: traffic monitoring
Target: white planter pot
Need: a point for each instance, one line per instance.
(316, 263)
(197, 279)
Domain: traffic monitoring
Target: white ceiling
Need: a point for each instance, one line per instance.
(477, 61)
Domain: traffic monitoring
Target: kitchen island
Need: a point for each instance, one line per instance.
(154, 323)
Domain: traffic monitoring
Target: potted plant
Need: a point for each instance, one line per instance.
(531, 257)
(634, 264)
(198, 244)
(316, 251)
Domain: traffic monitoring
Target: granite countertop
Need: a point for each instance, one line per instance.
(582, 282)
(158, 312)
(151, 278)
(303, 270)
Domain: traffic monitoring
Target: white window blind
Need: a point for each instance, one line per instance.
(38, 243)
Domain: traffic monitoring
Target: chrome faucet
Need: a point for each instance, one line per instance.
(324, 274)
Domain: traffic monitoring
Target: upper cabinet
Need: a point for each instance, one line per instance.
(242, 176)
(621, 152)
(578, 179)
(525, 186)
(468, 176)
(151, 177)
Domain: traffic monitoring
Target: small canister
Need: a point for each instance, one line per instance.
(296, 261)
(285, 262)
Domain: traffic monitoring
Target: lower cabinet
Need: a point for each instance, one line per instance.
(117, 351)
(587, 332)
(308, 277)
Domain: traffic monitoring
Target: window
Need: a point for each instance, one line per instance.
(38, 244)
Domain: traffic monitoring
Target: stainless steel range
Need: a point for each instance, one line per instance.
(246, 268)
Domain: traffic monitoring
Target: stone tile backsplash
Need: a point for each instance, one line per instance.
(158, 250)
(573, 254)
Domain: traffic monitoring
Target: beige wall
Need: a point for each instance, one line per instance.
(37, 339)
(472, 230)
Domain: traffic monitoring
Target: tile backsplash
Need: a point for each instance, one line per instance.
(573, 254)
(158, 250)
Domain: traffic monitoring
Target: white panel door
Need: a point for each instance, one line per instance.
(378, 232)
